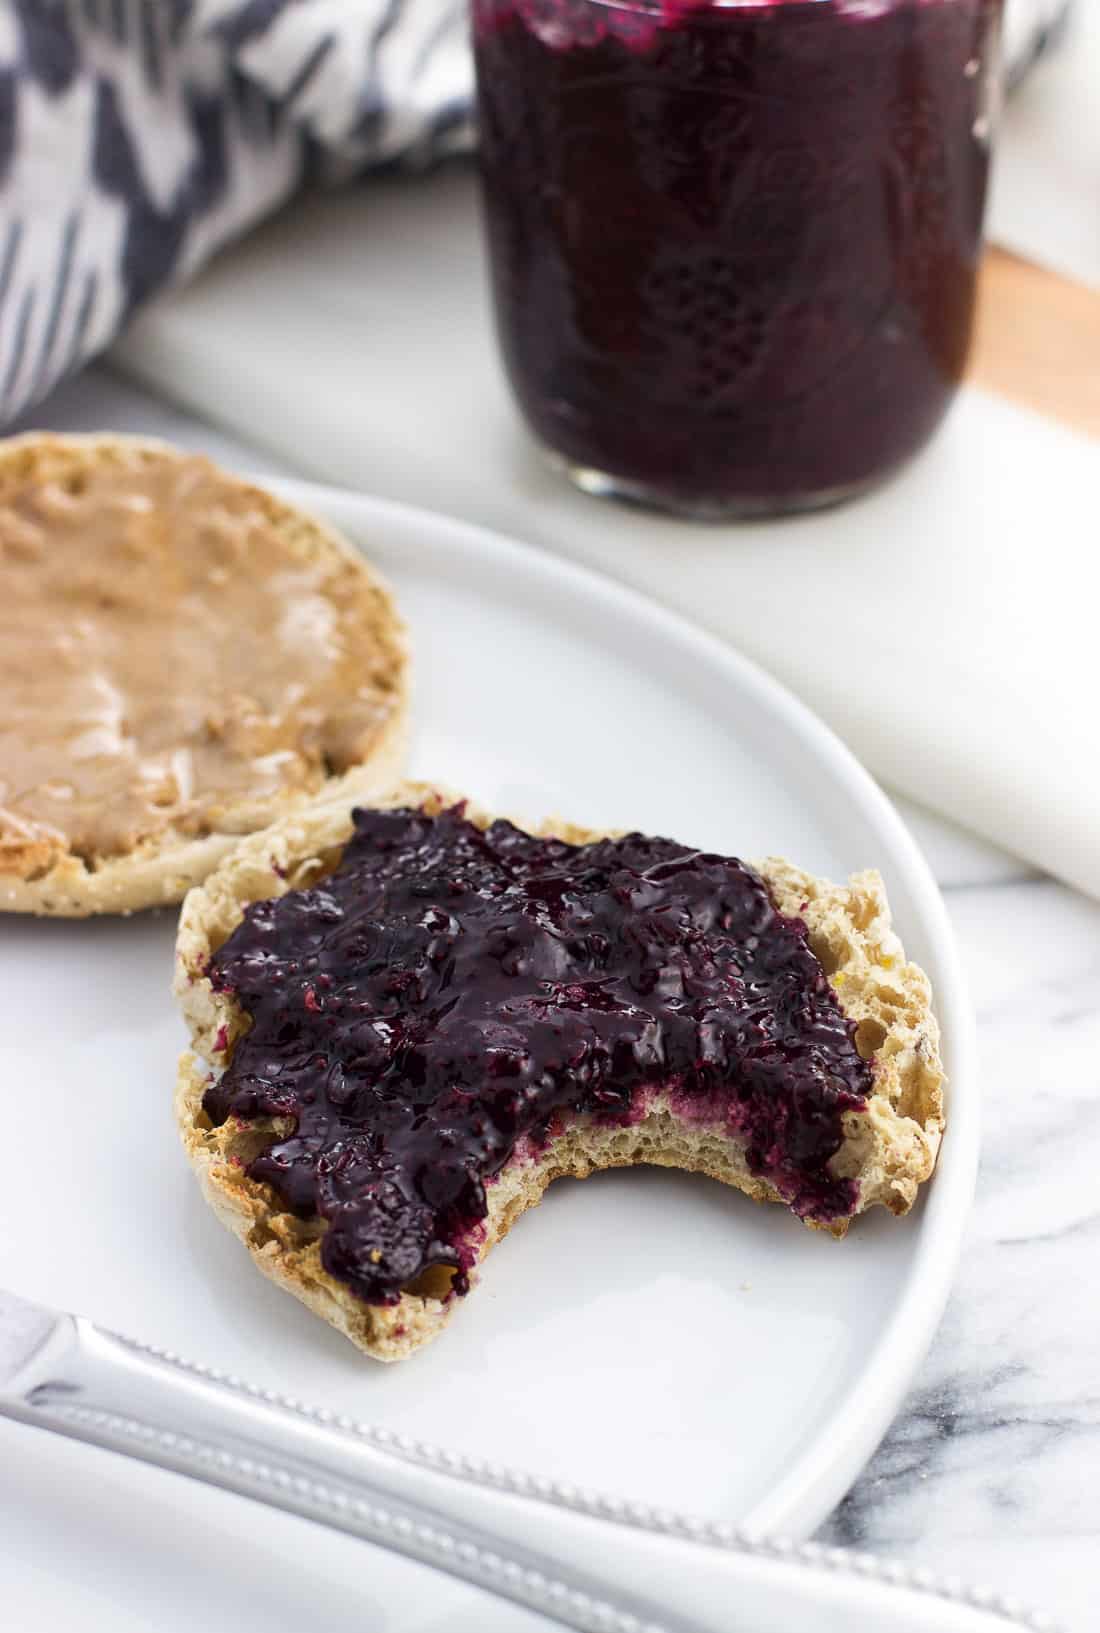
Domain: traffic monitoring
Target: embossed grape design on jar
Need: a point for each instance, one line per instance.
(733, 246)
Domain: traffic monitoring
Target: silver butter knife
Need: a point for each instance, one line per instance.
(589, 1562)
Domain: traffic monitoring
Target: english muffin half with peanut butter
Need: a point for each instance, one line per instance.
(184, 657)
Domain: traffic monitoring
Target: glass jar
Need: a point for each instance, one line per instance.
(733, 246)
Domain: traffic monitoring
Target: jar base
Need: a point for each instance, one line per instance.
(732, 508)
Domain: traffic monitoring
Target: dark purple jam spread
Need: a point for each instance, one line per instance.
(447, 995)
(733, 246)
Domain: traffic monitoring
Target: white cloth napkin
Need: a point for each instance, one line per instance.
(947, 626)
(1046, 183)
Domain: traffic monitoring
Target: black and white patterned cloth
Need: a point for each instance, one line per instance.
(138, 135)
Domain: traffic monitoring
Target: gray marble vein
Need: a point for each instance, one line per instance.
(992, 1468)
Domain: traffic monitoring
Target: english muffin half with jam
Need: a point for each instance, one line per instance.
(409, 1019)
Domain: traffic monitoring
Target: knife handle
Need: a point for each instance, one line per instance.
(591, 1563)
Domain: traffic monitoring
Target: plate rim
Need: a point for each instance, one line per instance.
(809, 1491)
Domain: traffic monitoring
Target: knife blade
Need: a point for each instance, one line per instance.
(24, 1329)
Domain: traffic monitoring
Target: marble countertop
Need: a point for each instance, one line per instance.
(992, 1469)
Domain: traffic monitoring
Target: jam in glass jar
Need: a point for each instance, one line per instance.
(733, 246)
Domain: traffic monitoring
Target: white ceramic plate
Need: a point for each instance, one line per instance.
(648, 1333)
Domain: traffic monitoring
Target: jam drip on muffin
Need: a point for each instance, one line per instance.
(448, 999)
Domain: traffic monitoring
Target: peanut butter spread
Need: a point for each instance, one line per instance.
(177, 651)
